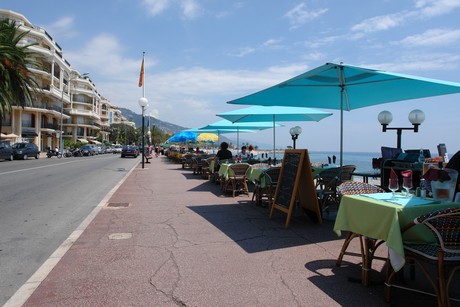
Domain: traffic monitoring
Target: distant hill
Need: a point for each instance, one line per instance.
(159, 124)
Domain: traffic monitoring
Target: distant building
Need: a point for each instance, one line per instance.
(86, 115)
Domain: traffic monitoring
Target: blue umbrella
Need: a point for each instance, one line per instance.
(347, 87)
(183, 137)
(274, 113)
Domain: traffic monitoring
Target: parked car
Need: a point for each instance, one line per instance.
(130, 151)
(25, 150)
(6, 152)
(117, 149)
(87, 150)
(108, 149)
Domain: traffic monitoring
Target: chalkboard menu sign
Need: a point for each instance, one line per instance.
(288, 178)
(296, 183)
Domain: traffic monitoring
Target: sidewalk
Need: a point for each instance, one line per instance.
(167, 237)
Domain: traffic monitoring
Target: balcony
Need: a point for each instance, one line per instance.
(49, 126)
(84, 113)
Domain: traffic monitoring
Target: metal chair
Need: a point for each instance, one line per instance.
(273, 175)
(445, 253)
(327, 182)
(271, 180)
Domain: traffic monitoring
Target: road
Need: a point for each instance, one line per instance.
(42, 202)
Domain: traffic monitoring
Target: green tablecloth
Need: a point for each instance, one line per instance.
(256, 175)
(378, 218)
(212, 165)
(225, 171)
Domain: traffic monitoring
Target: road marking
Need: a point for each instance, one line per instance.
(44, 166)
(26, 290)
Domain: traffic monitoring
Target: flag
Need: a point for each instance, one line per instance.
(141, 76)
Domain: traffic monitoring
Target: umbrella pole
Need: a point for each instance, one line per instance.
(341, 127)
(274, 147)
(342, 89)
(237, 139)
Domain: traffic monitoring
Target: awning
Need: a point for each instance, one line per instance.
(95, 142)
(84, 141)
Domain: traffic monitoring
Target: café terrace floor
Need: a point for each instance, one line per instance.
(166, 237)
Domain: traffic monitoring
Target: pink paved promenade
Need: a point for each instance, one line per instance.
(180, 242)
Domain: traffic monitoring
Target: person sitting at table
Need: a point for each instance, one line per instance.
(224, 153)
(253, 154)
(244, 153)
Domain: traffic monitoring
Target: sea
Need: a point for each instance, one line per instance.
(362, 160)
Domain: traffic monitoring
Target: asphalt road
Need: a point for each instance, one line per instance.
(42, 202)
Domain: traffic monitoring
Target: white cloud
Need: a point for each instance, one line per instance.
(423, 9)
(156, 7)
(322, 41)
(103, 55)
(433, 8)
(413, 62)
(62, 28)
(269, 44)
(243, 51)
(191, 9)
(433, 37)
(300, 15)
(380, 23)
(272, 43)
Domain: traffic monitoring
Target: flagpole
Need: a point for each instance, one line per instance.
(143, 102)
(143, 75)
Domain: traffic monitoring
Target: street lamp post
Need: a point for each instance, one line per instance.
(143, 102)
(61, 144)
(295, 132)
(416, 117)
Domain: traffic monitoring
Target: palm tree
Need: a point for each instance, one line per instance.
(17, 88)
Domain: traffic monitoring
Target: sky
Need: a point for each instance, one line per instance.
(199, 54)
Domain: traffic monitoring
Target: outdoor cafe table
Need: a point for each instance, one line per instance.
(224, 171)
(378, 217)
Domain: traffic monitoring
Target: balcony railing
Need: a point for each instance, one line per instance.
(50, 126)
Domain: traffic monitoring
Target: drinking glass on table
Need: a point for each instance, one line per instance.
(393, 186)
(407, 184)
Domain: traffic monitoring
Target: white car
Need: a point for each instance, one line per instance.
(117, 149)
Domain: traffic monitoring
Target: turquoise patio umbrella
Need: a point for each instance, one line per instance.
(241, 127)
(346, 87)
(274, 114)
(219, 131)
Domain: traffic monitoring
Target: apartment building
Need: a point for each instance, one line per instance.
(66, 98)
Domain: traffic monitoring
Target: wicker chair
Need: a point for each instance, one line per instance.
(197, 165)
(237, 178)
(445, 253)
(353, 188)
(327, 182)
(186, 160)
(205, 170)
